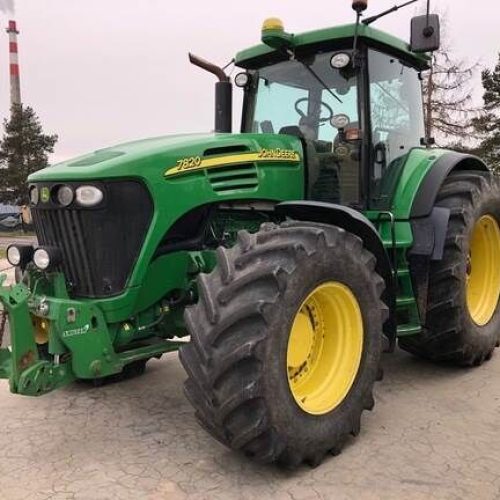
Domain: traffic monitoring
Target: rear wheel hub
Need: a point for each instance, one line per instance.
(483, 270)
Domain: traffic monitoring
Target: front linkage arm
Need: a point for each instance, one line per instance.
(21, 364)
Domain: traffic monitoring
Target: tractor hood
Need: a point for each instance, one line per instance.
(151, 159)
(180, 173)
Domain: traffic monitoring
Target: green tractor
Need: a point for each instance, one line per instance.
(292, 253)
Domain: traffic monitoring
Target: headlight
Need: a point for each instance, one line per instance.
(89, 196)
(340, 60)
(19, 255)
(41, 258)
(13, 256)
(34, 195)
(65, 196)
(242, 80)
(46, 258)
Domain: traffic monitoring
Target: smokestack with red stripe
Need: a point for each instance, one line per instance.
(15, 82)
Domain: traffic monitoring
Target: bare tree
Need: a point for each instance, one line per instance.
(447, 90)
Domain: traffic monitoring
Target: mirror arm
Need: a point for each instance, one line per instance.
(372, 19)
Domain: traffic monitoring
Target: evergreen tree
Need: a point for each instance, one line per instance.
(488, 124)
(24, 149)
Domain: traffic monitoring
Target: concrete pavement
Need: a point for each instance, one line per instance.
(434, 433)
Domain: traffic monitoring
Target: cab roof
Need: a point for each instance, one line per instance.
(261, 55)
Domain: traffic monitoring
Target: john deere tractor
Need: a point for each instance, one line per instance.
(281, 260)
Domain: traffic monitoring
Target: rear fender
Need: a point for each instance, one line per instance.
(430, 222)
(428, 190)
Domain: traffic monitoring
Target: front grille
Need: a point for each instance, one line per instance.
(64, 229)
(101, 245)
(243, 176)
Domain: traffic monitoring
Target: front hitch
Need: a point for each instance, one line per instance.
(21, 364)
(56, 340)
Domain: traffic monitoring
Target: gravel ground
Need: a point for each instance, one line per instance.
(435, 433)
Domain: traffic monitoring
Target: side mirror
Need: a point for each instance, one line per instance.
(425, 33)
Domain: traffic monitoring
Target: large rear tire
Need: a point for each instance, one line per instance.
(463, 315)
(285, 342)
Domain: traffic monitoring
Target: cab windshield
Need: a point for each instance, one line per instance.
(318, 102)
(289, 98)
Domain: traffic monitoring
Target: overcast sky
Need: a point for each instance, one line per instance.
(101, 72)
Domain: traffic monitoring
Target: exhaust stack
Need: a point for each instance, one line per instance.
(223, 94)
(15, 82)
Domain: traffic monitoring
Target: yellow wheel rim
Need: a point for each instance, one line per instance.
(483, 270)
(325, 348)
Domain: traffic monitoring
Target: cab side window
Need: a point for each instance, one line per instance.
(396, 118)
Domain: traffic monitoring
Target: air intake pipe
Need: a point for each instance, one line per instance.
(223, 94)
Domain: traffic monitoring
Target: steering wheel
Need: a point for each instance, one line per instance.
(305, 115)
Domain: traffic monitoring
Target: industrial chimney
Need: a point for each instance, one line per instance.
(15, 82)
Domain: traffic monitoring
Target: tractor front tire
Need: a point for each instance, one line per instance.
(286, 342)
(463, 317)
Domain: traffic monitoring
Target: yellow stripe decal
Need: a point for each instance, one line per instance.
(187, 165)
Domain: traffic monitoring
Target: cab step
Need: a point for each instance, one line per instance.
(409, 329)
(403, 273)
(403, 302)
(399, 244)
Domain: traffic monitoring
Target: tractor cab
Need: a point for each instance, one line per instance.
(357, 111)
